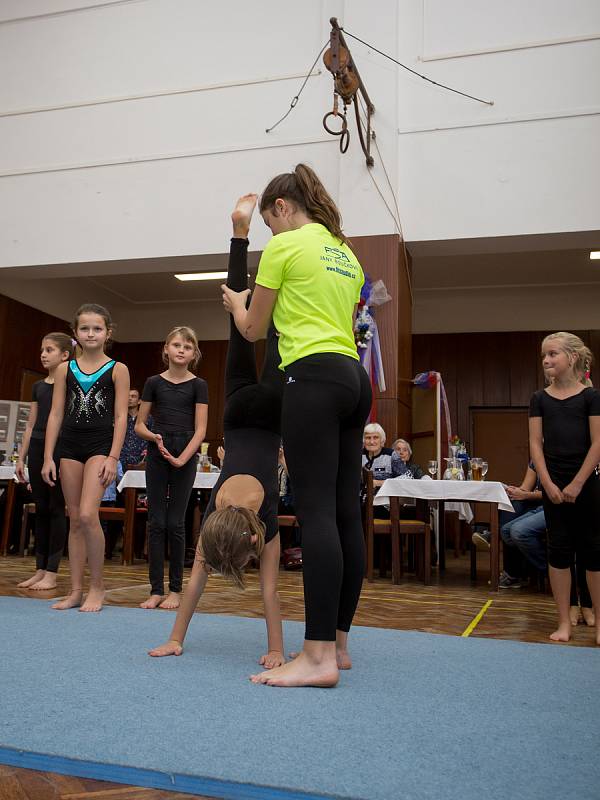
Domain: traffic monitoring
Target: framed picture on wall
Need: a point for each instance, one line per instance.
(4, 419)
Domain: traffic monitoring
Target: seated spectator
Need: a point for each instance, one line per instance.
(402, 463)
(376, 458)
(134, 448)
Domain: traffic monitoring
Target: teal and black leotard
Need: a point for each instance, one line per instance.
(89, 413)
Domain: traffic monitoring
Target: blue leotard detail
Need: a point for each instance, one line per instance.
(87, 381)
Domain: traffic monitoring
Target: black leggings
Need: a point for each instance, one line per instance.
(250, 402)
(331, 394)
(574, 527)
(50, 519)
(168, 489)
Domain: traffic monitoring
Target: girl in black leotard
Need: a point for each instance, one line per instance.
(50, 519)
(241, 518)
(89, 410)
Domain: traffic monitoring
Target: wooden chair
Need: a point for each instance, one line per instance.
(28, 508)
(395, 528)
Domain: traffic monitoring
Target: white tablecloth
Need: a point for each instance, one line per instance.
(136, 478)
(7, 471)
(462, 491)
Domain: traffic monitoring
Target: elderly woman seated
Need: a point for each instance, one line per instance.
(376, 457)
(401, 461)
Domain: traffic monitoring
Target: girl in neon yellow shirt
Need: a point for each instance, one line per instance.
(309, 281)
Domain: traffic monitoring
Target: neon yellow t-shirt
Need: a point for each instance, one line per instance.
(318, 280)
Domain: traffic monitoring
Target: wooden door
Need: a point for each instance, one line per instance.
(501, 437)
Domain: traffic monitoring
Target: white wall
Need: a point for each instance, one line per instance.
(128, 127)
(531, 162)
(84, 176)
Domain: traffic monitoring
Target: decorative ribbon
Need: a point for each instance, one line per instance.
(367, 334)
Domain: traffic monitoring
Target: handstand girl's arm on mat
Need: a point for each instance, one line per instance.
(269, 571)
(55, 419)
(189, 601)
(254, 322)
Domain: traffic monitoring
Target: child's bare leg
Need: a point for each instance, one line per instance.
(38, 576)
(91, 495)
(242, 214)
(48, 582)
(316, 665)
(560, 580)
(172, 600)
(593, 581)
(152, 602)
(71, 479)
(77, 555)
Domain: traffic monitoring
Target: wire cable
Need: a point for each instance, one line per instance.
(396, 216)
(418, 74)
(297, 96)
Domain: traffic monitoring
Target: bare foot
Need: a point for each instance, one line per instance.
(47, 582)
(94, 600)
(302, 671)
(589, 616)
(574, 615)
(562, 633)
(71, 601)
(342, 658)
(171, 600)
(39, 575)
(242, 214)
(152, 602)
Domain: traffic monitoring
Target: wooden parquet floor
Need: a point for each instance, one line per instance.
(447, 606)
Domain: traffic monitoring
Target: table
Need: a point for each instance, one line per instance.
(133, 481)
(492, 492)
(7, 473)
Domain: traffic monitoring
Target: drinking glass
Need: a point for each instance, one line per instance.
(206, 462)
(476, 469)
(484, 469)
(432, 468)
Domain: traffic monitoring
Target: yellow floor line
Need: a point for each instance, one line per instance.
(475, 622)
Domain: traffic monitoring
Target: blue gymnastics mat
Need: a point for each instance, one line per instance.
(419, 717)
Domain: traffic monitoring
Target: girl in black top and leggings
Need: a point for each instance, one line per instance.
(564, 439)
(50, 519)
(241, 518)
(178, 402)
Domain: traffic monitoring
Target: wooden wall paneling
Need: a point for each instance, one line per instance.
(524, 365)
(496, 359)
(21, 331)
(382, 257)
